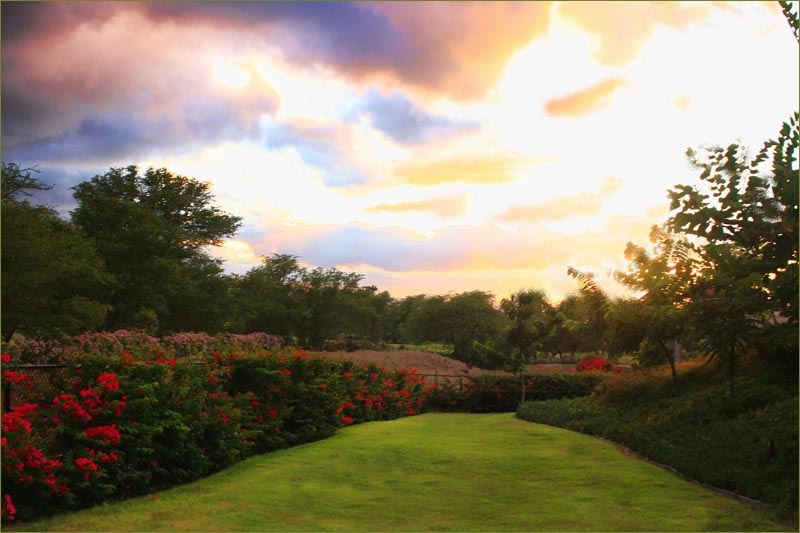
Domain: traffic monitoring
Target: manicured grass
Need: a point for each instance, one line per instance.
(454, 472)
(748, 445)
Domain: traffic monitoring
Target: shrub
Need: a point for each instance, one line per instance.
(351, 345)
(128, 424)
(491, 394)
(594, 364)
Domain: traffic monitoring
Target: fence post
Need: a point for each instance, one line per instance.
(6, 397)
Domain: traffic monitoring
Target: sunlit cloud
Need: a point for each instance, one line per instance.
(84, 92)
(623, 28)
(434, 146)
(444, 207)
(497, 168)
(457, 48)
(585, 101)
(563, 207)
(682, 103)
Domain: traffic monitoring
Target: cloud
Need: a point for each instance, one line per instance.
(585, 101)
(325, 146)
(466, 248)
(461, 48)
(563, 207)
(457, 49)
(99, 85)
(682, 103)
(623, 28)
(557, 209)
(448, 207)
(405, 122)
(611, 185)
(496, 168)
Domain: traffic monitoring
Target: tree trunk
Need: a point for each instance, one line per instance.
(670, 356)
(732, 373)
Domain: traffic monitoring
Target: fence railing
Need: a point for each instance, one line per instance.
(438, 378)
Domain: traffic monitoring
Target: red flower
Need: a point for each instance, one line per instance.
(108, 434)
(15, 377)
(14, 421)
(6, 358)
(108, 382)
(346, 420)
(87, 465)
(9, 508)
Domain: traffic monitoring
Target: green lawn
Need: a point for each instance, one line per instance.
(432, 472)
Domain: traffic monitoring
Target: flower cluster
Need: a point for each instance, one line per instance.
(594, 364)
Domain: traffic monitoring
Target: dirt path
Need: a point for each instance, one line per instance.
(424, 362)
(431, 363)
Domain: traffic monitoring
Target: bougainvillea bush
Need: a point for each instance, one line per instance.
(180, 345)
(500, 394)
(596, 364)
(129, 424)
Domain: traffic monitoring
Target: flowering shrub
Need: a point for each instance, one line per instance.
(178, 345)
(131, 423)
(595, 364)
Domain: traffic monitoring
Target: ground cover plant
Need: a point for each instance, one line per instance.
(453, 472)
(113, 426)
(747, 445)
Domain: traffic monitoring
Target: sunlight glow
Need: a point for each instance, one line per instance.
(231, 75)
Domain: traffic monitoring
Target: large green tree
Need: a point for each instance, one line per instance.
(744, 215)
(151, 228)
(268, 297)
(52, 278)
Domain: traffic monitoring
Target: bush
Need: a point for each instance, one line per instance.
(125, 425)
(495, 394)
(351, 345)
(180, 345)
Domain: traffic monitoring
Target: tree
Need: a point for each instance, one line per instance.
(427, 320)
(52, 278)
(588, 322)
(745, 220)
(665, 276)
(627, 326)
(268, 296)
(16, 181)
(328, 297)
(150, 229)
(528, 311)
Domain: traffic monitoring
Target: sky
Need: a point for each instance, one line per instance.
(431, 147)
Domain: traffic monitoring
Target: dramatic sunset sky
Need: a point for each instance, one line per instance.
(431, 147)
